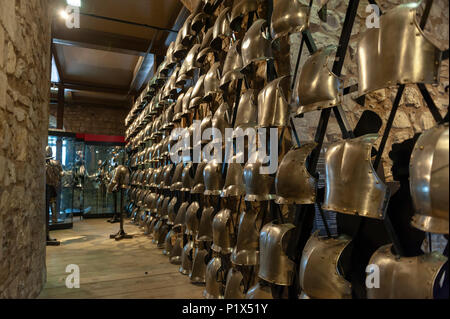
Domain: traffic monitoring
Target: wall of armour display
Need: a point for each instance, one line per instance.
(327, 222)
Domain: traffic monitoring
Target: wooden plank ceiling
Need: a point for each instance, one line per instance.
(107, 61)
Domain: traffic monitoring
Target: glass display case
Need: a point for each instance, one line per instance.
(64, 146)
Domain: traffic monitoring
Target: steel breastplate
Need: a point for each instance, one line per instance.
(204, 47)
(318, 87)
(205, 232)
(232, 65)
(165, 208)
(429, 180)
(169, 242)
(186, 258)
(233, 286)
(198, 183)
(275, 265)
(186, 101)
(192, 221)
(148, 200)
(187, 34)
(319, 274)
(175, 253)
(197, 93)
(221, 29)
(171, 211)
(167, 176)
(156, 231)
(163, 231)
(221, 120)
(214, 279)
(240, 9)
(405, 277)
(181, 216)
(190, 63)
(155, 177)
(212, 176)
(247, 112)
(255, 44)
(293, 183)
(159, 204)
(122, 177)
(259, 291)
(198, 274)
(178, 109)
(186, 179)
(272, 104)
(176, 179)
(352, 185)
(397, 52)
(258, 187)
(222, 232)
(289, 16)
(246, 251)
(212, 82)
(234, 181)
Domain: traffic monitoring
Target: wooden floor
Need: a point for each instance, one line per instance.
(130, 268)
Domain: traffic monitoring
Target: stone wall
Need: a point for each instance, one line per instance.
(412, 116)
(93, 119)
(24, 95)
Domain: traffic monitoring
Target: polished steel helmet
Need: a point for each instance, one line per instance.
(232, 66)
(240, 9)
(198, 184)
(275, 266)
(120, 179)
(352, 185)
(406, 277)
(293, 183)
(319, 273)
(318, 87)
(212, 82)
(429, 180)
(397, 52)
(273, 107)
(258, 187)
(205, 232)
(223, 237)
(212, 175)
(289, 16)
(247, 112)
(255, 44)
(221, 29)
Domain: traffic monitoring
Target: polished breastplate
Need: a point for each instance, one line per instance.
(272, 104)
(275, 266)
(186, 179)
(214, 279)
(176, 179)
(258, 187)
(192, 221)
(181, 216)
(317, 86)
(205, 232)
(255, 44)
(429, 180)
(246, 251)
(234, 285)
(319, 272)
(352, 185)
(212, 175)
(221, 29)
(397, 52)
(198, 185)
(405, 277)
(222, 232)
(289, 16)
(234, 181)
(171, 211)
(247, 112)
(212, 81)
(293, 183)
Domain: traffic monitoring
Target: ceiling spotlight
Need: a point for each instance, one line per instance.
(74, 3)
(63, 14)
